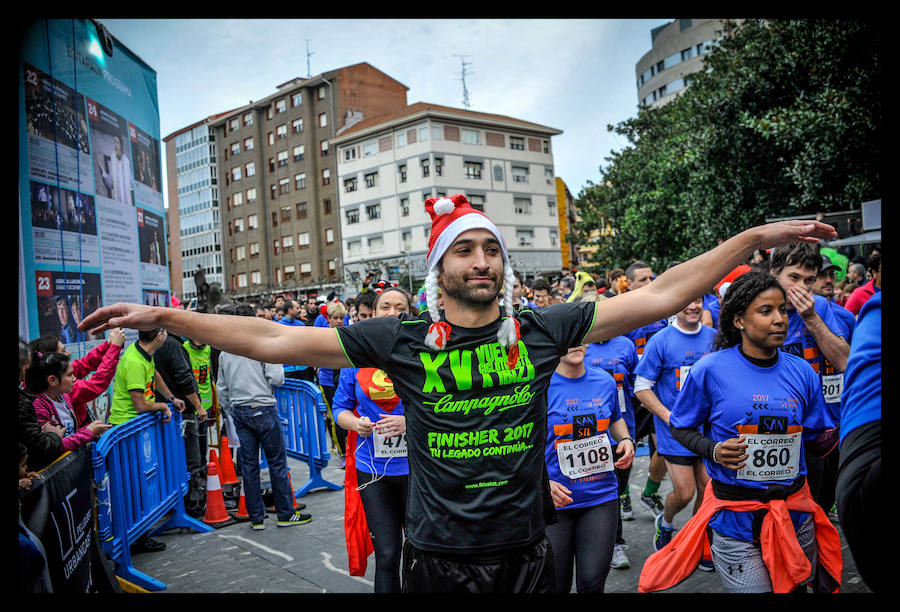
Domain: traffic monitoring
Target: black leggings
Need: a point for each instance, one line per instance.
(384, 502)
(861, 502)
(584, 537)
(622, 476)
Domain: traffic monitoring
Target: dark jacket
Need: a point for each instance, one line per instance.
(174, 366)
(43, 447)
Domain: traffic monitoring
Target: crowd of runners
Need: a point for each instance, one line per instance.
(492, 427)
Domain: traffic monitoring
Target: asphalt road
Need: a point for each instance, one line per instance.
(312, 558)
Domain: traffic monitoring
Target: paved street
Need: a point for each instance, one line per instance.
(312, 558)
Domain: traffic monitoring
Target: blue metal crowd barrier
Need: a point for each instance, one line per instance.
(140, 473)
(301, 409)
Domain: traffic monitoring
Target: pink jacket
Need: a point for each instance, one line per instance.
(46, 413)
(104, 360)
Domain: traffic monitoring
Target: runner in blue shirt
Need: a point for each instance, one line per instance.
(618, 358)
(814, 334)
(861, 500)
(365, 403)
(659, 377)
(639, 275)
(583, 410)
(757, 408)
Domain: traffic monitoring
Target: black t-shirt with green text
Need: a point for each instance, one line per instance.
(478, 484)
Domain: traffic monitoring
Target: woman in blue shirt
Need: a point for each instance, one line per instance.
(365, 403)
(583, 411)
(757, 408)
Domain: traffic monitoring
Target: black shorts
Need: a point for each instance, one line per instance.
(681, 459)
(526, 570)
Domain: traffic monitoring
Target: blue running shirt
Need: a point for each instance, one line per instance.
(618, 358)
(371, 393)
(727, 395)
(862, 397)
(799, 341)
(579, 411)
(669, 357)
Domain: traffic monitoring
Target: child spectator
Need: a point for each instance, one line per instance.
(52, 379)
(104, 359)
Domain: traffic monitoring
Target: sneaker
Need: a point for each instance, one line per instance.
(654, 503)
(619, 560)
(662, 535)
(257, 526)
(295, 519)
(625, 507)
(706, 565)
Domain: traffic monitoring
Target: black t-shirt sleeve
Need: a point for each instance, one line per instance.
(567, 324)
(369, 343)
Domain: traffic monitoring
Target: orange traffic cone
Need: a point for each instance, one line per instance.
(215, 502)
(297, 505)
(242, 514)
(229, 476)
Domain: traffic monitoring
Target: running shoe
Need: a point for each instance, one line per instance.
(625, 507)
(619, 559)
(295, 519)
(662, 535)
(654, 503)
(706, 565)
(257, 526)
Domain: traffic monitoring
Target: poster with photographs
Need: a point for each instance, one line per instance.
(156, 297)
(63, 226)
(152, 242)
(90, 192)
(145, 158)
(63, 300)
(57, 132)
(119, 251)
(113, 172)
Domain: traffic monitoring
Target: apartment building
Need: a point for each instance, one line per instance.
(389, 165)
(193, 218)
(280, 220)
(676, 53)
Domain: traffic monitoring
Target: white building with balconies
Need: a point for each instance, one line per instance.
(388, 166)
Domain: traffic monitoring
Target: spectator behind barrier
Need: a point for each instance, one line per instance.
(102, 360)
(42, 442)
(51, 379)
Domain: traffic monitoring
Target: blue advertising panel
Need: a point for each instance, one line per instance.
(91, 218)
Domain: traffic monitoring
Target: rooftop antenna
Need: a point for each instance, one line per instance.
(463, 79)
(308, 54)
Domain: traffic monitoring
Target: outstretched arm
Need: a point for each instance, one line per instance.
(257, 339)
(676, 287)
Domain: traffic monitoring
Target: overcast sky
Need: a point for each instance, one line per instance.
(576, 75)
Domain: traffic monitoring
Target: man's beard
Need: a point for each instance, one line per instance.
(458, 289)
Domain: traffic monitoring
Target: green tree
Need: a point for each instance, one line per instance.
(783, 121)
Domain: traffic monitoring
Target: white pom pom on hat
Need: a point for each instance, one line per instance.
(444, 206)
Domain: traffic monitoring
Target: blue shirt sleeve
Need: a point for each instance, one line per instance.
(693, 404)
(651, 363)
(345, 394)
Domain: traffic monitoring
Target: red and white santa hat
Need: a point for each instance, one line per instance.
(450, 217)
